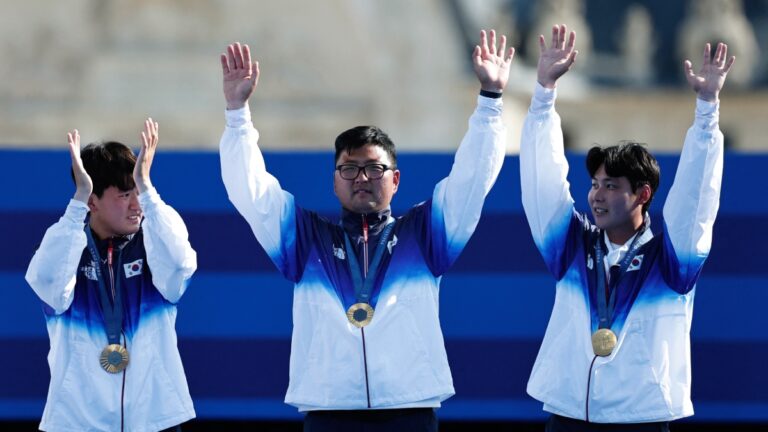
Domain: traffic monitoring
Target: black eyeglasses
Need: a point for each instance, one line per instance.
(372, 171)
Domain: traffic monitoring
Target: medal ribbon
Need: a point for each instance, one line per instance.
(111, 310)
(363, 288)
(606, 306)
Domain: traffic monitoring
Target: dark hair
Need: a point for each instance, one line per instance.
(627, 159)
(108, 164)
(359, 136)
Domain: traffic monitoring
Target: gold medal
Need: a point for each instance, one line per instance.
(603, 342)
(360, 314)
(114, 358)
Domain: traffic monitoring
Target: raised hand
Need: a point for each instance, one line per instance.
(710, 79)
(83, 182)
(149, 138)
(556, 60)
(491, 67)
(240, 75)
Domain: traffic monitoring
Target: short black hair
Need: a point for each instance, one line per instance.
(359, 136)
(108, 164)
(628, 159)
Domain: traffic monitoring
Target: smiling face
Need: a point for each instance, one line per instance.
(362, 194)
(616, 209)
(115, 213)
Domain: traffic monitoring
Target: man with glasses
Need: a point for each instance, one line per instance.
(367, 351)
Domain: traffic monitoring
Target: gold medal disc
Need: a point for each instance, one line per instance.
(603, 342)
(360, 314)
(114, 358)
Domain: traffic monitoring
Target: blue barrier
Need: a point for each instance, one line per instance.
(237, 305)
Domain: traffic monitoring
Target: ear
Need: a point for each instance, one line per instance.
(336, 179)
(93, 202)
(643, 194)
(395, 180)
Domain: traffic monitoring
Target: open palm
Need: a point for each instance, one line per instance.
(490, 64)
(556, 60)
(711, 77)
(240, 76)
(83, 181)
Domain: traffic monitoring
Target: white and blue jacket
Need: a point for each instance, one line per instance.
(647, 378)
(157, 263)
(405, 363)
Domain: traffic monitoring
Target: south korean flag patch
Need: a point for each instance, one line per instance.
(133, 268)
(636, 263)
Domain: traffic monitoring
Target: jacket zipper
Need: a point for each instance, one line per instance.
(110, 249)
(362, 330)
(589, 382)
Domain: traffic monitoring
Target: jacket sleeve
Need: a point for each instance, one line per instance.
(457, 200)
(53, 269)
(546, 196)
(166, 241)
(694, 198)
(255, 193)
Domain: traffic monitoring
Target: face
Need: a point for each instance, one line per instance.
(116, 213)
(615, 208)
(365, 195)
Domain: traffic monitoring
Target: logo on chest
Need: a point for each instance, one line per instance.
(133, 268)
(89, 271)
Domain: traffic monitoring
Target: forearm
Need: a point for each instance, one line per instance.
(476, 166)
(694, 198)
(254, 192)
(53, 269)
(543, 168)
(166, 241)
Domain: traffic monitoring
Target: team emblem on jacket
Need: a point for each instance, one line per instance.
(89, 271)
(636, 263)
(133, 268)
(339, 253)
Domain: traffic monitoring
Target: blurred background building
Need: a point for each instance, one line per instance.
(102, 66)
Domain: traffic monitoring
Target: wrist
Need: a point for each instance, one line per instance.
(82, 196)
(231, 106)
(547, 84)
(143, 186)
(490, 94)
(708, 97)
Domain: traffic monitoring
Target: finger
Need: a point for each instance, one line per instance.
(688, 70)
(561, 36)
(572, 58)
(571, 41)
(224, 65)
(151, 134)
(555, 36)
(231, 57)
(238, 55)
(483, 43)
(492, 46)
(247, 58)
(542, 45)
(728, 65)
(255, 74)
(510, 56)
(477, 59)
(502, 47)
(723, 54)
(707, 54)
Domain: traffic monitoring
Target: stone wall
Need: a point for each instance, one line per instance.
(103, 66)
